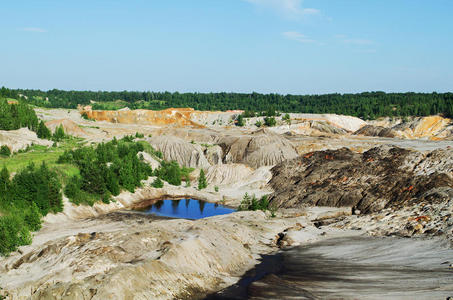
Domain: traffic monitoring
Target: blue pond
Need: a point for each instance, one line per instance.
(186, 209)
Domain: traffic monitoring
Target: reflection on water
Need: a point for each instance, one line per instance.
(351, 268)
(187, 209)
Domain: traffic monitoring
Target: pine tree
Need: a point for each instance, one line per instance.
(43, 132)
(202, 181)
(59, 134)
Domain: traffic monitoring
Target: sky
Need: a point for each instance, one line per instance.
(267, 46)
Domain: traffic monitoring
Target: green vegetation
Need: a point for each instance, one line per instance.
(287, 118)
(172, 173)
(5, 151)
(105, 170)
(157, 183)
(252, 203)
(240, 121)
(15, 116)
(32, 193)
(270, 121)
(59, 134)
(202, 184)
(368, 105)
(43, 132)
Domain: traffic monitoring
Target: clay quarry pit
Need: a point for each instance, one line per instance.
(394, 178)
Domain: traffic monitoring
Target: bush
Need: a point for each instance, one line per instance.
(287, 118)
(270, 121)
(258, 124)
(5, 151)
(216, 189)
(157, 183)
(139, 135)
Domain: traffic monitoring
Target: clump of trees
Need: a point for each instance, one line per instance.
(252, 203)
(15, 116)
(172, 173)
(31, 194)
(105, 170)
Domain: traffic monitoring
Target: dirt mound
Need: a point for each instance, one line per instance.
(20, 139)
(371, 130)
(170, 116)
(261, 148)
(70, 127)
(185, 153)
(435, 127)
(342, 122)
(228, 174)
(381, 177)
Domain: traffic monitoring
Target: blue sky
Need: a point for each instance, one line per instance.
(270, 46)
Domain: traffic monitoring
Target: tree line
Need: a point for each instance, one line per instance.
(367, 105)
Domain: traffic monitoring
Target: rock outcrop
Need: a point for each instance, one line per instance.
(261, 148)
(379, 178)
(185, 153)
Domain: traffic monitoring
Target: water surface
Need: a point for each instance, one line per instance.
(186, 209)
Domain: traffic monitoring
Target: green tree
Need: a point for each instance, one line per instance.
(240, 121)
(43, 132)
(59, 133)
(270, 121)
(202, 180)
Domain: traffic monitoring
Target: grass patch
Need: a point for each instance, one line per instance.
(37, 154)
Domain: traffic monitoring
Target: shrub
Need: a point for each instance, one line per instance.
(287, 118)
(5, 151)
(270, 121)
(157, 183)
(216, 189)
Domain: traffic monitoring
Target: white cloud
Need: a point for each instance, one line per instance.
(299, 37)
(289, 8)
(33, 29)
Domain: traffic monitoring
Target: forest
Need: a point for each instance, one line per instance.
(367, 105)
